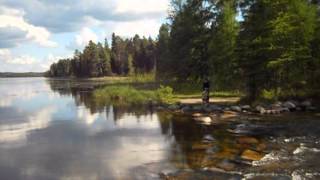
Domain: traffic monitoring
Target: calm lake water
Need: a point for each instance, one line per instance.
(53, 129)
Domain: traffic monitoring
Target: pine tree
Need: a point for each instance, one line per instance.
(222, 46)
(164, 64)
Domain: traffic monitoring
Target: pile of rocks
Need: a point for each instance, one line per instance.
(275, 108)
(287, 106)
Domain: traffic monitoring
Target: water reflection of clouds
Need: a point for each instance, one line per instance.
(87, 143)
(19, 131)
(12, 90)
(85, 114)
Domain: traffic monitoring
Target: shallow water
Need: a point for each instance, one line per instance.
(53, 129)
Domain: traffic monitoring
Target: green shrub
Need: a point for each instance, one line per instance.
(128, 95)
(165, 94)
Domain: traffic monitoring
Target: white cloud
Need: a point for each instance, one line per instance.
(23, 60)
(13, 18)
(8, 58)
(129, 29)
(82, 38)
(85, 36)
(50, 59)
(142, 6)
(26, 63)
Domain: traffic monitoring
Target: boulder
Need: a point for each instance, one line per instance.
(306, 104)
(215, 107)
(261, 109)
(206, 120)
(276, 105)
(236, 108)
(208, 138)
(284, 110)
(246, 107)
(290, 105)
(186, 109)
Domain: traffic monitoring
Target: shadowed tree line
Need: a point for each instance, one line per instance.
(263, 47)
(125, 57)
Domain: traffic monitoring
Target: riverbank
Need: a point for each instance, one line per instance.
(144, 90)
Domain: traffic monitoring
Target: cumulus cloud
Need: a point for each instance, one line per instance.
(25, 63)
(37, 21)
(71, 15)
(14, 30)
(82, 38)
(7, 57)
(142, 27)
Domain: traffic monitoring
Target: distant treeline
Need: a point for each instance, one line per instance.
(266, 47)
(125, 57)
(24, 74)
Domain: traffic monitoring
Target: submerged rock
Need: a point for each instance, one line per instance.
(251, 155)
(226, 165)
(206, 173)
(247, 140)
(229, 114)
(204, 120)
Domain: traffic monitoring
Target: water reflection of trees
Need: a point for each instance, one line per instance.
(193, 142)
(185, 133)
(82, 93)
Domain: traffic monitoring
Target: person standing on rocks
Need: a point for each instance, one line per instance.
(206, 91)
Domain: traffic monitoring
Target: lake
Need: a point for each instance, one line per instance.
(53, 129)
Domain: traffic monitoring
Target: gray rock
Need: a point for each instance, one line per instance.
(306, 104)
(290, 105)
(311, 108)
(246, 107)
(236, 108)
(186, 109)
(261, 109)
(160, 108)
(215, 107)
(197, 108)
(227, 109)
(284, 110)
(276, 105)
(173, 107)
(207, 109)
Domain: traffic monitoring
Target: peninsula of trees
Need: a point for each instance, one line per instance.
(261, 46)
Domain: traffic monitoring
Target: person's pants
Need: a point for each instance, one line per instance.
(205, 96)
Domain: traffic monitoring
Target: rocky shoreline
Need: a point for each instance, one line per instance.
(274, 108)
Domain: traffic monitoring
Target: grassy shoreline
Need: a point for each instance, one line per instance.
(129, 95)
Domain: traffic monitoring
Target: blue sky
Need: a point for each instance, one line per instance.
(36, 33)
